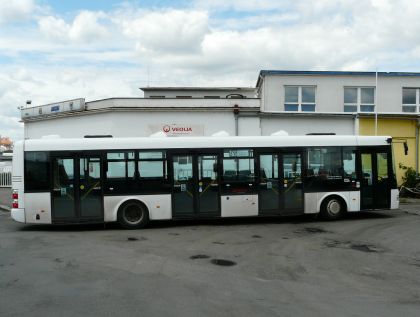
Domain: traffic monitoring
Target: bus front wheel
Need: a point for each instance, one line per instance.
(133, 215)
(333, 208)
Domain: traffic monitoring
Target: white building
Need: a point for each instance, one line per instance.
(298, 102)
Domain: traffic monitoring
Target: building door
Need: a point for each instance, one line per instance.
(77, 189)
(196, 191)
(375, 186)
(280, 190)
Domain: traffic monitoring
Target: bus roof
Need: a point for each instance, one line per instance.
(80, 144)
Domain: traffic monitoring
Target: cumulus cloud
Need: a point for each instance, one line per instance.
(168, 31)
(16, 10)
(223, 42)
(86, 27)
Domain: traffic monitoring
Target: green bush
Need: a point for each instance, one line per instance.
(410, 176)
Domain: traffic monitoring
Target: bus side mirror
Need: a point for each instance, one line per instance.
(405, 148)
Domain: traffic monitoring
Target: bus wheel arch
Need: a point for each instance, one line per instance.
(333, 207)
(133, 214)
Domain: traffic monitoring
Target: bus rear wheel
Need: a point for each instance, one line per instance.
(333, 208)
(133, 215)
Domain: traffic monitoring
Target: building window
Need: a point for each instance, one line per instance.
(359, 99)
(184, 97)
(410, 99)
(299, 98)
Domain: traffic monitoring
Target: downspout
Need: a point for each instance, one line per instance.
(236, 115)
(356, 124)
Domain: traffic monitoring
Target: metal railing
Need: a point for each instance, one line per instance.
(6, 179)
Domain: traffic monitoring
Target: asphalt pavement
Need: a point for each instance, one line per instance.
(365, 265)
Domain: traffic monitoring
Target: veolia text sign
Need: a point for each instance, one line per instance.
(178, 129)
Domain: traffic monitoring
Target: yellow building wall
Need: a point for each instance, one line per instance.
(397, 128)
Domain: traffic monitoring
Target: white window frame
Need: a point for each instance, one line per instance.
(359, 103)
(299, 102)
(416, 105)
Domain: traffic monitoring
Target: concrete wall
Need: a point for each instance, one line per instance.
(330, 90)
(403, 129)
(129, 123)
(301, 126)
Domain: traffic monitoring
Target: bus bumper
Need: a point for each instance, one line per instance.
(18, 214)
(395, 198)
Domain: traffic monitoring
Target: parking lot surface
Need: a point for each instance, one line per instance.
(365, 265)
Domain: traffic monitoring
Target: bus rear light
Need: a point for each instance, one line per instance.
(15, 194)
(15, 204)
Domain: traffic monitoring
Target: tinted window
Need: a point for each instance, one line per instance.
(152, 164)
(151, 169)
(238, 171)
(349, 163)
(36, 171)
(116, 170)
(325, 163)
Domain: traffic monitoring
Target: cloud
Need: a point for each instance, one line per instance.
(15, 10)
(168, 31)
(95, 54)
(86, 27)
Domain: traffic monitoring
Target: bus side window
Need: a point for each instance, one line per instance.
(37, 166)
(238, 171)
(349, 163)
(325, 163)
(120, 170)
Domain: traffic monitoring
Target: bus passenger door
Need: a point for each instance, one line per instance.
(292, 185)
(280, 190)
(77, 189)
(269, 190)
(183, 186)
(195, 189)
(63, 191)
(208, 198)
(90, 188)
(375, 190)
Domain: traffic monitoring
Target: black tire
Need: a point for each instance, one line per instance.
(333, 208)
(133, 215)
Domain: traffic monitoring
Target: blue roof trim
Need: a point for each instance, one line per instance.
(333, 73)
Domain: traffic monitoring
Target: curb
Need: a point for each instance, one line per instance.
(5, 208)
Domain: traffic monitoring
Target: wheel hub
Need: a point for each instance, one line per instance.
(334, 207)
(133, 214)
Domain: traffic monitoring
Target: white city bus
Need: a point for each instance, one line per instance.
(134, 180)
